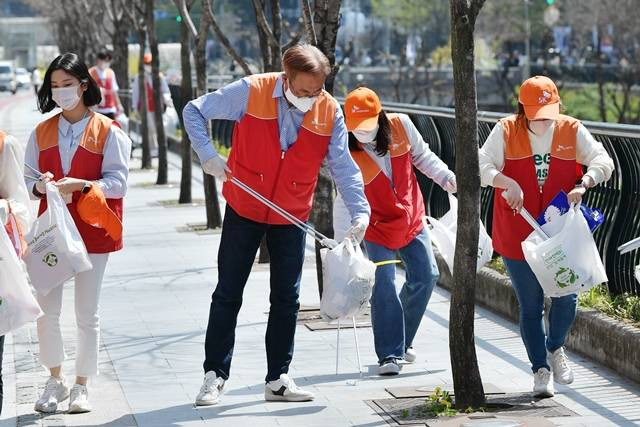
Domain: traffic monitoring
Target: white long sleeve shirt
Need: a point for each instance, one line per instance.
(589, 152)
(422, 158)
(115, 160)
(12, 186)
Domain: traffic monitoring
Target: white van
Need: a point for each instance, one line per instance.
(8, 80)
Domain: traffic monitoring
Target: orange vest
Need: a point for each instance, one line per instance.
(108, 98)
(397, 208)
(287, 178)
(509, 230)
(86, 164)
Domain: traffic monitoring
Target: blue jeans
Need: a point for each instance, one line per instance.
(396, 317)
(238, 246)
(531, 300)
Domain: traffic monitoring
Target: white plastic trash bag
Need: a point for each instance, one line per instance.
(568, 262)
(170, 121)
(348, 278)
(443, 234)
(18, 306)
(56, 251)
(123, 121)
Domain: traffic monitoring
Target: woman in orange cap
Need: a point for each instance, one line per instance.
(529, 157)
(83, 154)
(386, 147)
(14, 203)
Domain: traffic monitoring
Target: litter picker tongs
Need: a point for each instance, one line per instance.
(324, 240)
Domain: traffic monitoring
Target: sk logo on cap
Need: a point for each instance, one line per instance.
(544, 98)
(356, 109)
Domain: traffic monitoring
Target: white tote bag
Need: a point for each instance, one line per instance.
(568, 262)
(56, 250)
(348, 279)
(443, 234)
(18, 306)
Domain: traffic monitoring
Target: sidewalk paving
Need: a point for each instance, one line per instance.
(154, 309)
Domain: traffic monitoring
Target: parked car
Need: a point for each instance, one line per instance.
(8, 77)
(23, 77)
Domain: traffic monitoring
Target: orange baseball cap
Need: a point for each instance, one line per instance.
(361, 109)
(93, 209)
(540, 98)
(146, 58)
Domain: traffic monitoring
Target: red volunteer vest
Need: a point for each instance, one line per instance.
(86, 164)
(151, 105)
(396, 210)
(108, 99)
(510, 230)
(286, 178)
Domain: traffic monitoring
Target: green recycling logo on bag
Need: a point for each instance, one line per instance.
(566, 277)
(50, 259)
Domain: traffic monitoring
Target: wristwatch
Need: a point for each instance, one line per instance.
(86, 188)
(580, 184)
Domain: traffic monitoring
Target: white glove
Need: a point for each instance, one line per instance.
(451, 186)
(217, 167)
(4, 212)
(329, 243)
(357, 231)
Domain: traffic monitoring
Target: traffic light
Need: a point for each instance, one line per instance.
(179, 18)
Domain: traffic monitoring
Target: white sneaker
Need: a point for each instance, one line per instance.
(389, 367)
(211, 390)
(55, 391)
(542, 384)
(79, 401)
(285, 390)
(562, 373)
(410, 355)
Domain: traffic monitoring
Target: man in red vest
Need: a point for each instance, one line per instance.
(106, 80)
(286, 126)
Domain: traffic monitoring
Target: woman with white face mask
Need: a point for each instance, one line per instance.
(81, 153)
(386, 147)
(529, 157)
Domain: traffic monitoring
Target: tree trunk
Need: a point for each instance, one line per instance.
(326, 19)
(467, 383)
(186, 91)
(212, 204)
(276, 22)
(144, 126)
(158, 95)
(121, 55)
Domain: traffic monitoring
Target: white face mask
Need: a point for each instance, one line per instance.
(67, 98)
(302, 103)
(366, 136)
(104, 65)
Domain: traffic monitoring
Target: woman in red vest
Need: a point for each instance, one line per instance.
(529, 157)
(84, 155)
(14, 203)
(386, 147)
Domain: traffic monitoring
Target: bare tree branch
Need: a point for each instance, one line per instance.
(186, 17)
(310, 32)
(217, 31)
(261, 19)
